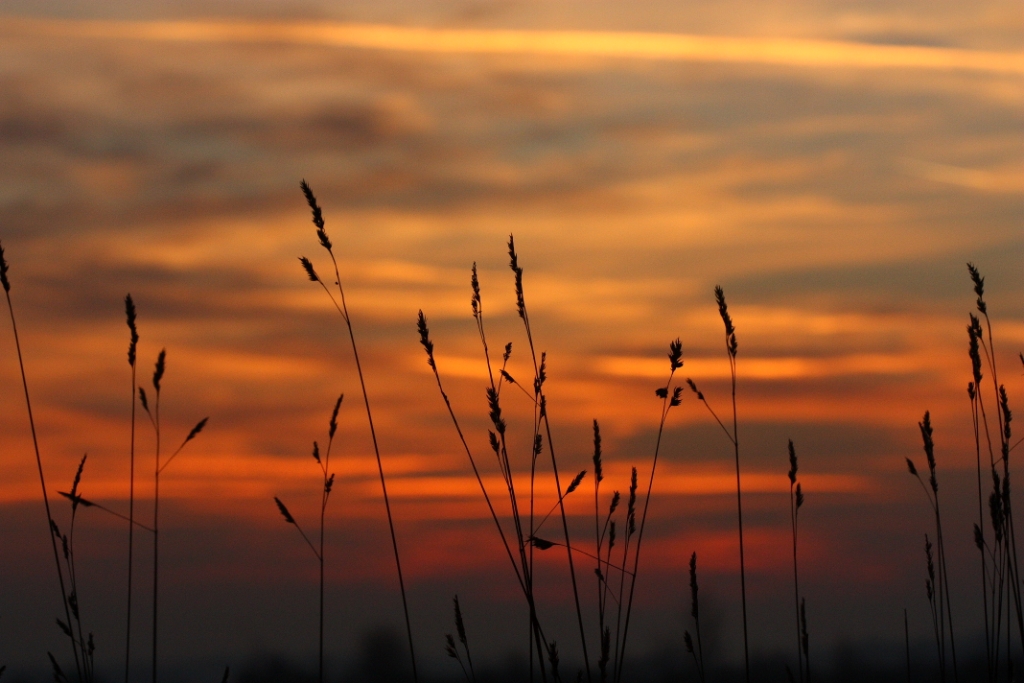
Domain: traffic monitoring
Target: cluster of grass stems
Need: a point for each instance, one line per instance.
(618, 537)
(83, 645)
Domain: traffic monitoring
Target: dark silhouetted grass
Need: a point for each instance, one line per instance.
(342, 308)
(324, 464)
(5, 281)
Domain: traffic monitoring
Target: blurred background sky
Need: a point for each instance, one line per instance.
(833, 165)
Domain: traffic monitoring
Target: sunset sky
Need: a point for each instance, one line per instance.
(832, 165)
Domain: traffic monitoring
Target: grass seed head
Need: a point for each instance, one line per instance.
(428, 346)
(973, 350)
(911, 467)
(553, 659)
(195, 430)
(495, 410)
(333, 424)
(979, 287)
(614, 504)
(929, 448)
(3, 270)
(284, 511)
(58, 674)
(1004, 405)
(476, 303)
(675, 354)
(307, 265)
(598, 472)
(78, 476)
(318, 216)
(158, 371)
(792, 463)
(540, 543)
(514, 265)
(460, 625)
(129, 311)
(575, 482)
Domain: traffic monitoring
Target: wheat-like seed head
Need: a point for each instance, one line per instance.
(284, 511)
(129, 310)
(979, 287)
(3, 270)
(307, 265)
(929, 448)
(428, 346)
(158, 371)
(575, 482)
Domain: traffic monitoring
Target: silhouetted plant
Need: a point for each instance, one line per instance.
(796, 501)
(51, 527)
(342, 308)
(452, 650)
(671, 397)
(938, 582)
(130, 315)
(159, 466)
(696, 652)
(731, 347)
(324, 464)
(1001, 586)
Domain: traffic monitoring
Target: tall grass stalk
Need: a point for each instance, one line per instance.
(51, 527)
(630, 533)
(733, 437)
(730, 347)
(324, 463)
(940, 582)
(696, 652)
(129, 309)
(1006, 573)
(86, 648)
(974, 335)
(158, 468)
(541, 401)
(521, 566)
(671, 396)
(342, 309)
(452, 650)
(796, 501)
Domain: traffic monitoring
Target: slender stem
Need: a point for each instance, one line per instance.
(131, 539)
(380, 465)
(906, 641)
(543, 415)
(323, 511)
(739, 513)
(796, 582)
(156, 531)
(42, 480)
(981, 531)
(666, 407)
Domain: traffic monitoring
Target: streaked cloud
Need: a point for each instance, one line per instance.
(622, 45)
